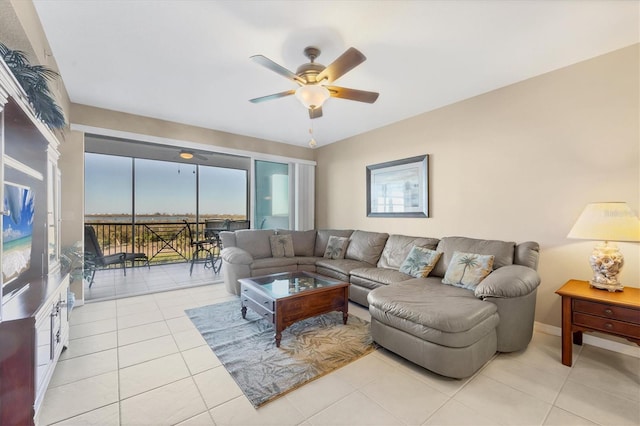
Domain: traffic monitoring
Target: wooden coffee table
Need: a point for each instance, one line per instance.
(285, 298)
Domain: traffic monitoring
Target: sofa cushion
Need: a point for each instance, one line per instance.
(466, 270)
(527, 254)
(304, 242)
(398, 247)
(228, 239)
(273, 262)
(322, 238)
(373, 277)
(420, 262)
(508, 282)
(366, 246)
(281, 245)
(343, 266)
(307, 260)
(255, 241)
(336, 247)
(441, 314)
(501, 250)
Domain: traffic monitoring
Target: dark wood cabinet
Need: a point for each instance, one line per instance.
(34, 295)
(33, 332)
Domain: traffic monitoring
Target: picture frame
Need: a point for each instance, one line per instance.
(399, 188)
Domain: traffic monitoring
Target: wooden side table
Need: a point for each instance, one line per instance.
(589, 309)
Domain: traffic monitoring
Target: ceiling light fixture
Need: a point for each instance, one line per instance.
(312, 95)
(186, 155)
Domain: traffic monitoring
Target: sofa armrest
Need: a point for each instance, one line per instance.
(236, 255)
(508, 281)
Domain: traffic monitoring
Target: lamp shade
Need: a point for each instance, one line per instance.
(312, 95)
(614, 221)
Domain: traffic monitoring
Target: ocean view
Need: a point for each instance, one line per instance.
(159, 217)
(16, 258)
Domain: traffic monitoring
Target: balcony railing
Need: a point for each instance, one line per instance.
(162, 242)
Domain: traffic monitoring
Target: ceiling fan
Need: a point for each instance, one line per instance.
(311, 76)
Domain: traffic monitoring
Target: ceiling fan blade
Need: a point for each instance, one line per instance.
(271, 97)
(315, 112)
(352, 94)
(345, 63)
(278, 69)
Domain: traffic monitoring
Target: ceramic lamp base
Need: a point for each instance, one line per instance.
(606, 261)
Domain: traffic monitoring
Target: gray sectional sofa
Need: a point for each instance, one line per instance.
(447, 329)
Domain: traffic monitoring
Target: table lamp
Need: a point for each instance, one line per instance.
(613, 221)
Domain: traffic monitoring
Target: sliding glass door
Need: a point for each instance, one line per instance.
(140, 205)
(272, 198)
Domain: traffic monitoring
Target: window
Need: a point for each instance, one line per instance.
(107, 187)
(222, 193)
(139, 205)
(272, 195)
(164, 191)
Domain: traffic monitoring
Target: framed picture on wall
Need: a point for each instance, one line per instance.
(398, 188)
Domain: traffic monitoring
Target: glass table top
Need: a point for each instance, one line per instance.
(290, 283)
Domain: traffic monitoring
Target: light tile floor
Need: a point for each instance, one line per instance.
(112, 283)
(140, 360)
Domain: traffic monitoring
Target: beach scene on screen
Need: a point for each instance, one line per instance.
(17, 227)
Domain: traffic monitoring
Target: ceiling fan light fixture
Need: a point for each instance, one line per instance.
(186, 155)
(312, 95)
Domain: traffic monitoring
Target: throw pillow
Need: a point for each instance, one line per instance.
(420, 262)
(336, 247)
(466, 270)
(281, 245)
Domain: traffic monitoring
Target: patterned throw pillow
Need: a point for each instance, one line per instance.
(420, 262)
(466, 270)
(336, 247)
(281, 245)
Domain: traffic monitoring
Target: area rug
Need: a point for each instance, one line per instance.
(309, 349)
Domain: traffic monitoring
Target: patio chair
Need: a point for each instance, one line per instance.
(95, 259)
(213, 227)
(234, 225)
(203, 251)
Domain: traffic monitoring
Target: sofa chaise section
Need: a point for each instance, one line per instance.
(451, 330)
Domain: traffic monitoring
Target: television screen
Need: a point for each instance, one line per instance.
(17, 227)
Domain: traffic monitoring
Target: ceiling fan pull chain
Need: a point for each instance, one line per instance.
(312, 142)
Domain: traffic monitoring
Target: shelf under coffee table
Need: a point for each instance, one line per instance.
(289, 297)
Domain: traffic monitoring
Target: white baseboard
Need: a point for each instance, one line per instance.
(630, 350)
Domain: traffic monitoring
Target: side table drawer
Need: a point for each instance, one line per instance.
(258, 308)
(258, 298)
(606, 310)
(607, 325)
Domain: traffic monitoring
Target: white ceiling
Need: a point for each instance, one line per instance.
(188, 61)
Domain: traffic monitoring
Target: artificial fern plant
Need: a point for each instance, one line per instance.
(34, 80)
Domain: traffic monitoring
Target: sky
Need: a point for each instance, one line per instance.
(19, 204)
(161, 187)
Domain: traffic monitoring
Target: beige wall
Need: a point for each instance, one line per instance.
(114, 120)
(71, 164)
(517, 164)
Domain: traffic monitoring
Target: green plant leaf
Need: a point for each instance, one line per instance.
(34, 80)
